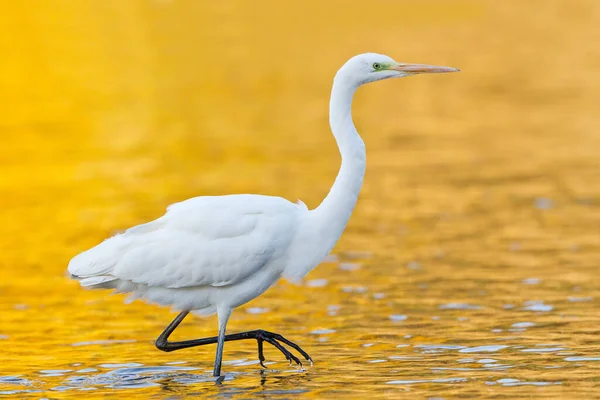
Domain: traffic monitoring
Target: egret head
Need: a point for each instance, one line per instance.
(371, 67)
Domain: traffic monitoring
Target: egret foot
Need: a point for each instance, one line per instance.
(162, 343)
(274, 339)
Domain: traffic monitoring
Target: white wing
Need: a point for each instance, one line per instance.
(204, 241)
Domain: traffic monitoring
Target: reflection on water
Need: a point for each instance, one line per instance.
(440, 362)
(469, 267)
(407, 350)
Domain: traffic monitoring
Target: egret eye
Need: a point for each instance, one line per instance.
(376, 66)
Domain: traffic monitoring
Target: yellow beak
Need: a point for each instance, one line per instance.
(422, 69)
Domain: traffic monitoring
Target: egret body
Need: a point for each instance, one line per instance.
(212, 254)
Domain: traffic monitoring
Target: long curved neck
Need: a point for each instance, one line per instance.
(333, 213)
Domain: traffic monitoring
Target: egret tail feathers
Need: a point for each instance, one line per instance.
(97, 282)
(95, 266)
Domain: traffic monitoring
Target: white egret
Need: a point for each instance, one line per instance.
(212, 254)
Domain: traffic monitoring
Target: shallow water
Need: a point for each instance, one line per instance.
(469, 268)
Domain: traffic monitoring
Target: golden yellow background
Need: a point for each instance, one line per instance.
(482, 189)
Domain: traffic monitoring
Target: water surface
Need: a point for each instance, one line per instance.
(469, 268)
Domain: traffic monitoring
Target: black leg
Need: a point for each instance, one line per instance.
(162, 343)
(261, 356)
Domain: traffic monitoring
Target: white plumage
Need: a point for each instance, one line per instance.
(215, 253)
(205, 245)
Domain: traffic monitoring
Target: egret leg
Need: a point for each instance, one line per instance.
(162, 343)
(223, 318)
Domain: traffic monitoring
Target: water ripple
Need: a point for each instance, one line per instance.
(543, 350)
(136, 377)
(436, 348)
(516, 382)
(483, 349)
(537, 306)
(417, 381)
(459, 306)
(322, 331)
